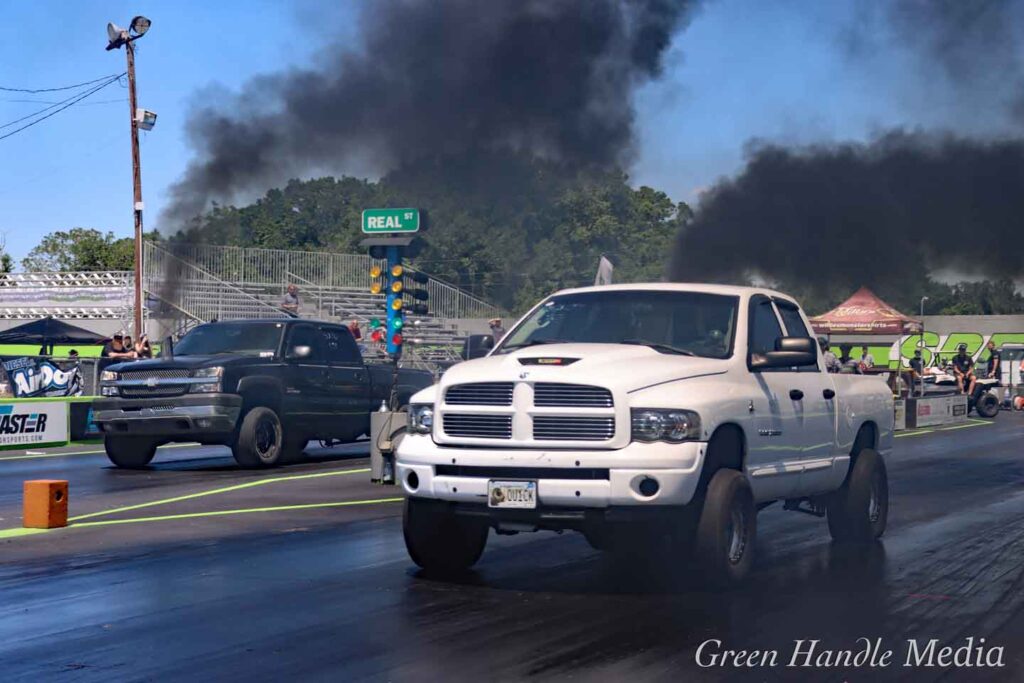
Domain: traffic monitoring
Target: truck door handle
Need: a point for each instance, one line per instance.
(828, 394)
(796, 394)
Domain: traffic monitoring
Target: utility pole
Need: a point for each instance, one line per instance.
(127, 38)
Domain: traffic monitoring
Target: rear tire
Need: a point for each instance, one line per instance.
(859, 511)
(987, 405)
(130, 452)
(727, 529)
(260, 441)
(439, 541)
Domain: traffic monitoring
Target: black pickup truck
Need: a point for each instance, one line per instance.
(262, 387)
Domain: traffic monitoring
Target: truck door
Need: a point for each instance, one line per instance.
(348, 383)
(814, 411)
(306, 399)
(773, 437)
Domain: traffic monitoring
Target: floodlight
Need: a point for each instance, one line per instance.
(117, 36)
(140, 25)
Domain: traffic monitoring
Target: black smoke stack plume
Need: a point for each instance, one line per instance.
(829, 218)
(551, 79)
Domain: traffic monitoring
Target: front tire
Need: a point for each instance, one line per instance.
(130, 452)
(260, 441)
(987, 405)
(727, 529)
(439, 541)
(859, 511)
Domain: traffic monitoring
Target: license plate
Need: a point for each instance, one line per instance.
(512, 494)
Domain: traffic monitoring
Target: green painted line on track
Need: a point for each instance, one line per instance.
(214, 492)
(20, 531)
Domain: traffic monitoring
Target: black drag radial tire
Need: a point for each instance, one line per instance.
(130, 452)
(859, 511)
(260, 441)
(439, 541)
(724, 543)
(987, 405)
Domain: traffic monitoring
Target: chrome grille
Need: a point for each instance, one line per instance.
(557, 428)
(172, 373)
(477, 426)
(154, 392)
(480, 394)
(548, 394)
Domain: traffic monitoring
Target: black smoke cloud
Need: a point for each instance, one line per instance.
(833, 217)
(439, 78)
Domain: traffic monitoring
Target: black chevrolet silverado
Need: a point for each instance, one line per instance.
(262, 387)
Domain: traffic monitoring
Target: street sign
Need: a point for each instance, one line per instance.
(391, 220)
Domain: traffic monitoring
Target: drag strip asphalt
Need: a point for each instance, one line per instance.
(279, 590)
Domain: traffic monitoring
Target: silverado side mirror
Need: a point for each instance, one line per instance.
(299, 352)
(790, 352)
(477, 346)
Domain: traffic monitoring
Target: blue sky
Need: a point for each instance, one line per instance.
(743, 70)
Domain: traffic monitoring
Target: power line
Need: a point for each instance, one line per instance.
(57, 104)
(75, 100)
(66, 87)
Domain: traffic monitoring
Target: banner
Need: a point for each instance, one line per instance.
(34, 377)
(113, 298)
(33, 422)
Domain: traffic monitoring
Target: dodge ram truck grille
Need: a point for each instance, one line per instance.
(172, 373)
(477, 426)
(557, 428)
(480, 394)
(548, 394)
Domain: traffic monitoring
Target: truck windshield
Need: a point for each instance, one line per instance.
(686, 323)
(247, 339)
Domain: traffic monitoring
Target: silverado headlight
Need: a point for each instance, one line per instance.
(650, 424)
(209, 380)
(108, 376)
(421, 418)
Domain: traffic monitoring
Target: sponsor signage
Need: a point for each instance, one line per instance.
(32, 377)
(940, 410)
(377, 221)
(33, 423)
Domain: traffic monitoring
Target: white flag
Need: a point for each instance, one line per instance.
(604, 272)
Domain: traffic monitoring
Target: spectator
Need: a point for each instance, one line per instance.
(291, 304)
(497, 331)
(995, 360)
(963, 368)
(832, 363)
(844, 353)
(73, 355)
(353, 327)
(115, 348)
(866, 359)
(142, 347)
(916, 372)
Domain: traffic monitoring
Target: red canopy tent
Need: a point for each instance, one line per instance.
(865, 314)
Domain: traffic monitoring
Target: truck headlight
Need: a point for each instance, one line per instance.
(421, 418)
(653, 424)
(108, 376)
(210, 380)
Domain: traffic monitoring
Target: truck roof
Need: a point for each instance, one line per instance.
(728, 290)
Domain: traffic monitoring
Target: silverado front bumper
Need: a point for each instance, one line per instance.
(565, 478)
(191, 415)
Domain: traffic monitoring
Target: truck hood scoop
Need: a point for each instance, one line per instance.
(616, 366)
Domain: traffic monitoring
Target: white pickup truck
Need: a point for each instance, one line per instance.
(640, 413)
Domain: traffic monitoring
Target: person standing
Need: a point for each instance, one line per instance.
(291, 304)
(497, 331)
(832, 364)
(353, 327)
(995, 361)
(142, 347)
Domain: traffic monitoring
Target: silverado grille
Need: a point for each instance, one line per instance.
(558, 428)
(172, 373)
(480, 394)
(547, 394)
(154, 392)
(477, 426)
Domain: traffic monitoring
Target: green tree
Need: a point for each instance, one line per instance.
(81, 249)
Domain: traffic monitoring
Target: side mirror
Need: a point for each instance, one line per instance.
(299, 352)
(477, 346)
(790, 352)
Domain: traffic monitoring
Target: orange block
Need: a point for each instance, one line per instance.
(45, 504)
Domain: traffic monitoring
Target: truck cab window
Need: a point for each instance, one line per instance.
(307, 335)
(764, 327)
(791, 318)
(341, 347)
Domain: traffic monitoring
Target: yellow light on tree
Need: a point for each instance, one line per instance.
(375, 288)
(396, 305)
(396, 286)
(375, 271)
(397, 270)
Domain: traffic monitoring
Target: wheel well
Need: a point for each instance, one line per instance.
(263, 395)
(867, 437)
(727, 449)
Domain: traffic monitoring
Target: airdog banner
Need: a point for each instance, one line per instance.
(34, 377)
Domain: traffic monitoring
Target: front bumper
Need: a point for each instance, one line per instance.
(195, 415)
(565, 479)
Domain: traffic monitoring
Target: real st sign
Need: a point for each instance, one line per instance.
(391, 220)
